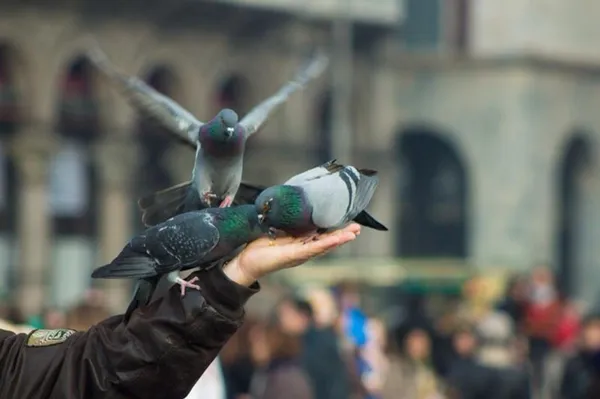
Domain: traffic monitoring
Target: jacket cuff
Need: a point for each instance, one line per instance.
(226, 296)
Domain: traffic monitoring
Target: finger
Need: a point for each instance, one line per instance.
(325, 243)
(352, 228)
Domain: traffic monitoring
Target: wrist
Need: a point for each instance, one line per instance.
(234, 273)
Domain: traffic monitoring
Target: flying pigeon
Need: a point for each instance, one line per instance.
(319, 200)
(193, 239)
(219, 143)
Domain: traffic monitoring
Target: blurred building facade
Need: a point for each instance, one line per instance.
(482, 117)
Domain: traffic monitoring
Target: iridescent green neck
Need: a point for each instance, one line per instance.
(241, 223)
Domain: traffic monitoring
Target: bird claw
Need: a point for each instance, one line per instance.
(209, 197)
(187, 284)
(226, 203)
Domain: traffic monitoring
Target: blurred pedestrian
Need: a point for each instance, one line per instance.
(467, 378)
(236, 362)
(276, 354)
(409, 373)
(542, 318)
(581, 378)
(514, 302)
(320, 353)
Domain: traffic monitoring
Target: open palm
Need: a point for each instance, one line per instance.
(262, 257)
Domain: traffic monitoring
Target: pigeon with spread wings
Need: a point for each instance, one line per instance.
(219, 143)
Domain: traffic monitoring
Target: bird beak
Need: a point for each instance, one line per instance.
(261, 218)
(229, 132)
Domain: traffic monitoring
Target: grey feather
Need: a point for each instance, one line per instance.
(259, 114)
(337, 193)
(152, 103)
(186, 241)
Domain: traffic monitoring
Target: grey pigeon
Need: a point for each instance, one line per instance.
(219, 143)
(321, 199)
(193, 239)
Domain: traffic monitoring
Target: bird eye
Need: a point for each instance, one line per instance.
(267, 205)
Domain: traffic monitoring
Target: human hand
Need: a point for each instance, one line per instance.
(260, 258)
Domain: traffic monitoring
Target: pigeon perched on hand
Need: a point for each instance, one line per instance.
(193, 239)
(319, 200)
(219, 143)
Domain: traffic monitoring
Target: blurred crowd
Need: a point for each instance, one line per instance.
(533, 342)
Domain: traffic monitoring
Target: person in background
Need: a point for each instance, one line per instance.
(541, 320)
(467, 378)
(581, 377)
(564, 343)
(320, 354)
(514, 303)
(498, 352)
(325, 310)
(374, 354)
(276, 355)
(211, 385)
(409, 373)
(237, 363)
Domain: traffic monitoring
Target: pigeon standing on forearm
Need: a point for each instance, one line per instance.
(220, 142)
(193, 239)
(319, 200)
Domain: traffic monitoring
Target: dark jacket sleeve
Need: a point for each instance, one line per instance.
(160, 353)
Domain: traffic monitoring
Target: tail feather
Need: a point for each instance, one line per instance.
(365, 219)
(128, 264)
(142, 296)
(164, 204)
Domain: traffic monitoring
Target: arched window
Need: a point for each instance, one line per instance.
(433, 197)
(575, 158)
(231, 93)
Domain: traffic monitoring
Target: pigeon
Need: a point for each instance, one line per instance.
(319, 200)
(198, 239)
(219, 143)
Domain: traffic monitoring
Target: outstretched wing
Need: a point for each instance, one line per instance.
(181, 123)
(259, 114)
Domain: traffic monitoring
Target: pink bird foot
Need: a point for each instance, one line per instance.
(209, 197)
(187, 284)
(226, 203)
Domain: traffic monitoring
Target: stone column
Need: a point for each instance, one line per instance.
(32, 152)
(117, 161)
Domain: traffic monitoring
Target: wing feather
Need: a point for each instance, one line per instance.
(179, 122)
(259, 114)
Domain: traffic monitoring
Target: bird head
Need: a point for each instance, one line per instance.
(228, 119)
(281, 207)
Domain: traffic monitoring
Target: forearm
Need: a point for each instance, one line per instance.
(186, 334)
(161, 352)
